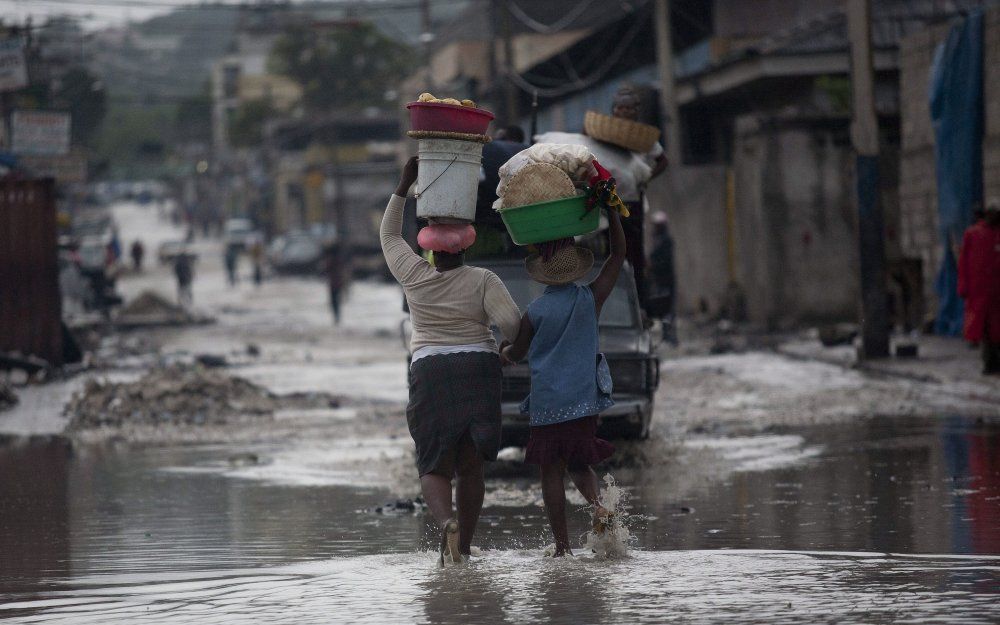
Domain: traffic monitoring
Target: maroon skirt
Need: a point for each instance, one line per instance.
(574, 442)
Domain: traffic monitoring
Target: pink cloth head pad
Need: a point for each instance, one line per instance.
(451, 238)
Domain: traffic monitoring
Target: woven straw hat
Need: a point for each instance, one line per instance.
(537, 182)
(567, 265)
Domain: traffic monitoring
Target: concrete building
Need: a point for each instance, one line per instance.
(761, 206)
(243, 76)
(918, 192)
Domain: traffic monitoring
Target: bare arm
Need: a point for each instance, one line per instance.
(500, 307)
(659, 166)
(605, 281)
(516, 351)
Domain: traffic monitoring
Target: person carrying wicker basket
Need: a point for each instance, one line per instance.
(570, 379)
(626, 105)
(455, 377)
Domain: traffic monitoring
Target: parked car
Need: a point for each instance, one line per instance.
(237, 231)
(295, 252)
(624, 339)
(168, 251)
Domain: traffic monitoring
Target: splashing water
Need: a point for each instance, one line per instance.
(614, 540)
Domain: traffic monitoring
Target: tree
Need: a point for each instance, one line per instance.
(193, 120)
(83, 94)
(348, 68)
(246, 128)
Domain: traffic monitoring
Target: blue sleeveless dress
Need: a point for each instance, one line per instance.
(569, 378)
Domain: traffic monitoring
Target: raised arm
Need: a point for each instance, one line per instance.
(605, 281)
(403, 263)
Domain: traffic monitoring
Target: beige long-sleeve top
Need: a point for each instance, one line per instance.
(453, 307)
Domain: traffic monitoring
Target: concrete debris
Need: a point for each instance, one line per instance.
(402, 506)
(151, 309)
(175, 394)
(148, 302)
(211, 361)
(8, 398)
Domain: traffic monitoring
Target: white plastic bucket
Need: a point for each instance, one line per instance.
(448, 178)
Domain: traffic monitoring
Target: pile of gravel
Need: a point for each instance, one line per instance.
(177, 394)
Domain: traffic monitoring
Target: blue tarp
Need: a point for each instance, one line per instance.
(956, 103)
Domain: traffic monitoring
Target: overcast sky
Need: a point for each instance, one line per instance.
(95, 13)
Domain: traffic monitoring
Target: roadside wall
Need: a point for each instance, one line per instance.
(795, 232)
(694, 201)
(30, 302)
(919, 237)
(795, 223)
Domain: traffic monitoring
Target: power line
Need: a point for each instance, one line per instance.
(577, 83)
(548, 29)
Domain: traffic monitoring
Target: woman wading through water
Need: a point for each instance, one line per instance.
(455, 378)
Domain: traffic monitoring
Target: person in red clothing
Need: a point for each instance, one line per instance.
(979, 285)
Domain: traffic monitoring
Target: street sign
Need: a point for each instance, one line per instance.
(70, 167)
(42, 133)
(13, 69)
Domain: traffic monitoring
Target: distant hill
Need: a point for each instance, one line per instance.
(169, 57)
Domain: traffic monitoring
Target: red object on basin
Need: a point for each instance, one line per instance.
(448, 118)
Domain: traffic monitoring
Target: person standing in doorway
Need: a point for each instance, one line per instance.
(661, 261)
(979, 285)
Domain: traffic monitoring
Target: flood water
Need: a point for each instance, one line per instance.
(881, 521)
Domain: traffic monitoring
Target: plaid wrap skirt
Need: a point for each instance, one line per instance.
(454, 396)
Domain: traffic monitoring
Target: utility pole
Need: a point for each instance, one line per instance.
(871, 228)
(510, 89)
(426, 37)
(665, 67)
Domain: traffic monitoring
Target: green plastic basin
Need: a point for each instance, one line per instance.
(550, 221)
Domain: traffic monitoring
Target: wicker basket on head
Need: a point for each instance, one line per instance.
(621, 132)
(537, 182)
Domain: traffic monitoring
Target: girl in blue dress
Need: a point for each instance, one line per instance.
(570, 380)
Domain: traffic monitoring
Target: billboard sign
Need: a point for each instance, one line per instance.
(13, 69)
(41, 133)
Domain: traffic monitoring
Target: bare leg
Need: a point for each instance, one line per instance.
(437, 494)
(585, 481)
(469, 491)
(554, 496)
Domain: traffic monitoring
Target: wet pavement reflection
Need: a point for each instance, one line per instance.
(883, 520)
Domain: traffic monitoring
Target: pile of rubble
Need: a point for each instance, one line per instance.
(8, 398)
(177, 394)
(150, 308)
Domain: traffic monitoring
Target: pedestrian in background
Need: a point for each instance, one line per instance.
(138, 251)
(979, 285)
(257, 258)
(627, 105)
(232, 258)
(337, 274)
(184, 272)
(661, 261)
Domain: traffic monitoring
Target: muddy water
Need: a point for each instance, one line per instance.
(884, 521)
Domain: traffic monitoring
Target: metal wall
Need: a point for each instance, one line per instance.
(30, 306)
